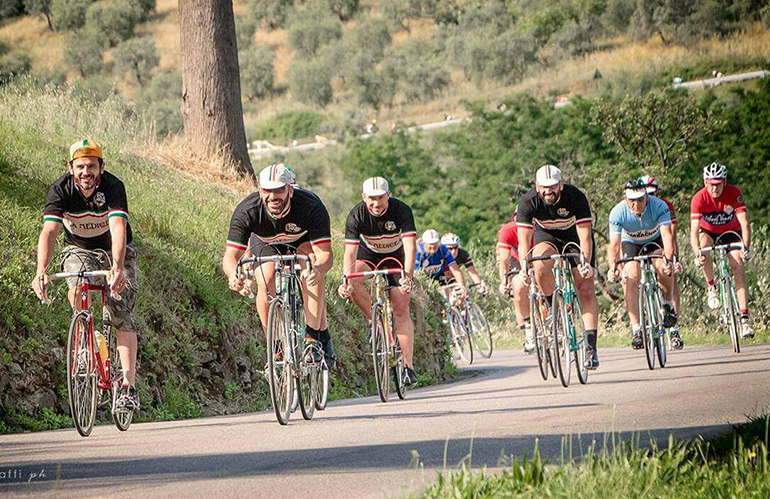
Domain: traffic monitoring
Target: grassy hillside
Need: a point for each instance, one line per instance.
(201, 349)
(569, 40)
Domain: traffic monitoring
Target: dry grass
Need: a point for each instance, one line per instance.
(31, 34)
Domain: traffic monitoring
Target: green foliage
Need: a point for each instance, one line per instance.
(69, 15)
(14, 64)
(38, 7)
(83, 52)
(147, 7)
(344, 9)
(245, 27)
(310, 82)
(11, 8)
(421, 71)
(310, 30)
(270, 13)
(257, 72)
(160, 101)
(291, 125)
(136, 58)
(115, 20)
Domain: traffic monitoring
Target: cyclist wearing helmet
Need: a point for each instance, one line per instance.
(433, 257)
(557, 214)
(452, 242)
(641, 225)
(718, 215)
(515, 287)
(652, 188)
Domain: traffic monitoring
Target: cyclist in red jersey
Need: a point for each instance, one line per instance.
(516, 288)
(718, 215)
(651, 183)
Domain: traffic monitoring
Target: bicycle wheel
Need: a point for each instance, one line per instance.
(398, 370)
(81, 373)
(734, 320)
(279, 358)
(660, 331)
(306, 389)
(322, 393)
(561, 338)
(647, 323)
(481, 334)
(460, 336)
(540, 335)
(380, 353)
(581, 352)
(121, 416)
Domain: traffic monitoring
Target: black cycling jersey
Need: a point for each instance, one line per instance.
(306, 220)
(559, 220)
(381, 234)
(463, 258)
(86, 220)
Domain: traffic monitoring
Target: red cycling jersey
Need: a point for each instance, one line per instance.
(508, 238)
(670, 209)
(718, 215)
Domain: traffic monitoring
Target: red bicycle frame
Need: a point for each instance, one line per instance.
(102, 365)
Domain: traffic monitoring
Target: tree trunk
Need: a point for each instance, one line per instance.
(211, 88)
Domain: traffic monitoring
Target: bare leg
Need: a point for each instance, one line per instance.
(127, 347)
(404, 327)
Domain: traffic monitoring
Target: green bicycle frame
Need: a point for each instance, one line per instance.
(566, 283)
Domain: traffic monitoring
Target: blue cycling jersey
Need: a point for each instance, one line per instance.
(639, 229)
(433, 265)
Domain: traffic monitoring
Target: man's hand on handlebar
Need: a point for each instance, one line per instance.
(585, 270)
(40, 287)
(406, 283)
(311, 276)
(613, 274)
(745, 254)
(345, 290)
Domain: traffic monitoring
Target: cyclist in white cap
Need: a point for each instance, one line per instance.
(380, 232)
(451, 242)
(284, 220)
(554, 214)
(718, 215)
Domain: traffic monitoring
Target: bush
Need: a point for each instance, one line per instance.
(69, 15)
(160, 102)
(38, 7)
(271, 13)
(257, 72)
(310, 82)
(147, 7)
(11, 8)
(311, 30)
(421, 71)
(344, 9)
(114, 20)
(136, 58)
(14, 64)
(245, 27)
(291, 125)
(83, 52)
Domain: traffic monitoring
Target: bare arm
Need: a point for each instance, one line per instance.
(694, 242)
(525, 234)
(45, 245)
(743, 219)
(613, 250)
(349, 258)
(410, 253)
(475, 277)
(230, 261)
(324, 258)
(502, 262)
(118, 235)
(586, 244)
(457, 273)
(669, 245)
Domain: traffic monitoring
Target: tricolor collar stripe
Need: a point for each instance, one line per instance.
(52, 218)
(236, 245)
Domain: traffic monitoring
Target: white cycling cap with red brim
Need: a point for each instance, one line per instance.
(275, 177)
(375, 186)
(548, 176)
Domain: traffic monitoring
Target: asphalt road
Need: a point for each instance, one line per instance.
(363, 448)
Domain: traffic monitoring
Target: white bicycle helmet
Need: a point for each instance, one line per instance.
(430, 236)
(450, 239)
(650, 183)
(714, 170)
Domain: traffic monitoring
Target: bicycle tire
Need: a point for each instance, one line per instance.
(660, 341)
(560, 328)
(322, 394)
(732, 309)
(81, 374)
(540, 337)
(581, 353)
(380, 353)
(121, 416)
(460, 338)
(481, 334)
(279, 370)
(646, 324)
(398, 371)
(306, 389)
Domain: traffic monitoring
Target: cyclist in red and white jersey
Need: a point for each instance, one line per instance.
(718, 215)
(516, 288)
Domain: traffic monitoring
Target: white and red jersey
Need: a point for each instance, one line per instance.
(718, 215)
(508, 238)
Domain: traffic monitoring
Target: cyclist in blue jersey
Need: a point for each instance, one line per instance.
(433, 257)
(641, 225)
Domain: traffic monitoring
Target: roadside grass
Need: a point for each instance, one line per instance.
(733, 465)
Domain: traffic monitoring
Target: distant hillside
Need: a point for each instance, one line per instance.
(345, 63)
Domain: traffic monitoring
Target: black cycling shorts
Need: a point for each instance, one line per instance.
(629, 249)
(542, 236)
(382, 261)
(726, 238)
